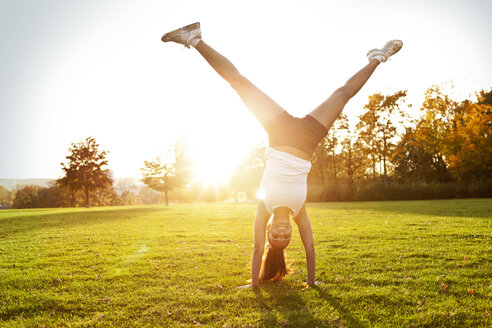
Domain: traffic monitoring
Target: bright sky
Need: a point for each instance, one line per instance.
(73, 69)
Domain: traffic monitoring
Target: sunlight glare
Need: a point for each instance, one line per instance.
(212, 166)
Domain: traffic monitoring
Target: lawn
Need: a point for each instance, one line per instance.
(381, 264)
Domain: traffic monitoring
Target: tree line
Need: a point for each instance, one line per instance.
(385, 155)
(86, 182)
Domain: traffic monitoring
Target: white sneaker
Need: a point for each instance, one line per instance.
(189, 35)
(389, 49)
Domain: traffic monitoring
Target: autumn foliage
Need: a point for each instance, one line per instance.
(387, 155)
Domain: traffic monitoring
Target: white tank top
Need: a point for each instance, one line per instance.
(284, 181)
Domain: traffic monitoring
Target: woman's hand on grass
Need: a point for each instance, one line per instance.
(248, 287)
(314, 284)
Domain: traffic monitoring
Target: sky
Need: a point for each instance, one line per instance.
(74, 69)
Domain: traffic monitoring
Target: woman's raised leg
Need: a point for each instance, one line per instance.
(328, 111)
(261, 105)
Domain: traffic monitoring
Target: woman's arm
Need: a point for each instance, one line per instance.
(306, 233)
(261, 220)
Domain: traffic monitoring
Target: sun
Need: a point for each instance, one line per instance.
(217, 153)
(211, 172)
(213, 166)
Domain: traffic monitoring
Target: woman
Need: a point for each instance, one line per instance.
(292, 142)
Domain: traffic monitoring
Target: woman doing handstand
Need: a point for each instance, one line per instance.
(292, 142)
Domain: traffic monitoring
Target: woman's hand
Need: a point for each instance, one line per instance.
(314, 284)
(248, 287)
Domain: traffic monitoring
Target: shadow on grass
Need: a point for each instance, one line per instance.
(37, 220)
(280, 298)
(282, 305)
(345, 315)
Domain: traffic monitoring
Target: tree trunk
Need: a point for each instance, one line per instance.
(373, 168)
(385, 177)
(335, 168)
(380, 168)
(87, 198)
(350, 172)
(166, 197)
(325, 177)
(335, 174)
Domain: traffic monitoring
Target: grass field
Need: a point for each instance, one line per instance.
(381, 264)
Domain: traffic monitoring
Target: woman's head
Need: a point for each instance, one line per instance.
(280, 229)
(279, 234)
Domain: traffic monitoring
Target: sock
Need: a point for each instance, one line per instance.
(195, 41)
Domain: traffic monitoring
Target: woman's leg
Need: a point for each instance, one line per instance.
(328, 111)
(262, 106)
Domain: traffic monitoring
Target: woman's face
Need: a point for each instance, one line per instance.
(280, 231)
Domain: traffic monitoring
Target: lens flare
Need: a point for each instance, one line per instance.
(260, 194)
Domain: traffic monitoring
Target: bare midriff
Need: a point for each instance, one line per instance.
(294, 151)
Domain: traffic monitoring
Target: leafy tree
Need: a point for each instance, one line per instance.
(352, 153)
(25, 197)
(367, 128)
(5, 196)
(485, 97)
(322, 160)
(327, 163)
(52, 196)
(163, 176)
(105, 196)
(468, 143)
(434, 128)
(159, 176)
(414, 164)
(84, 170)
(378, 126)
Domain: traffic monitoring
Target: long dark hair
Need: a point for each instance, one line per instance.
(273, 267)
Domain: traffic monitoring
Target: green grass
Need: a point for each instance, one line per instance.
(382, 264)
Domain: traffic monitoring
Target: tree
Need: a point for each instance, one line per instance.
(352, 153)
(158, 175)
(163, 176)
(378, 126)
(367, 127)
(52, 196)
(468, 142)
(5, 196)
(84, 171)
(414, 164)
(25, 197)
(322, 161)
(433, 129)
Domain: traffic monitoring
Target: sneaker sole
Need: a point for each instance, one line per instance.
(386, 52)
(169, 36)
(396, 45)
